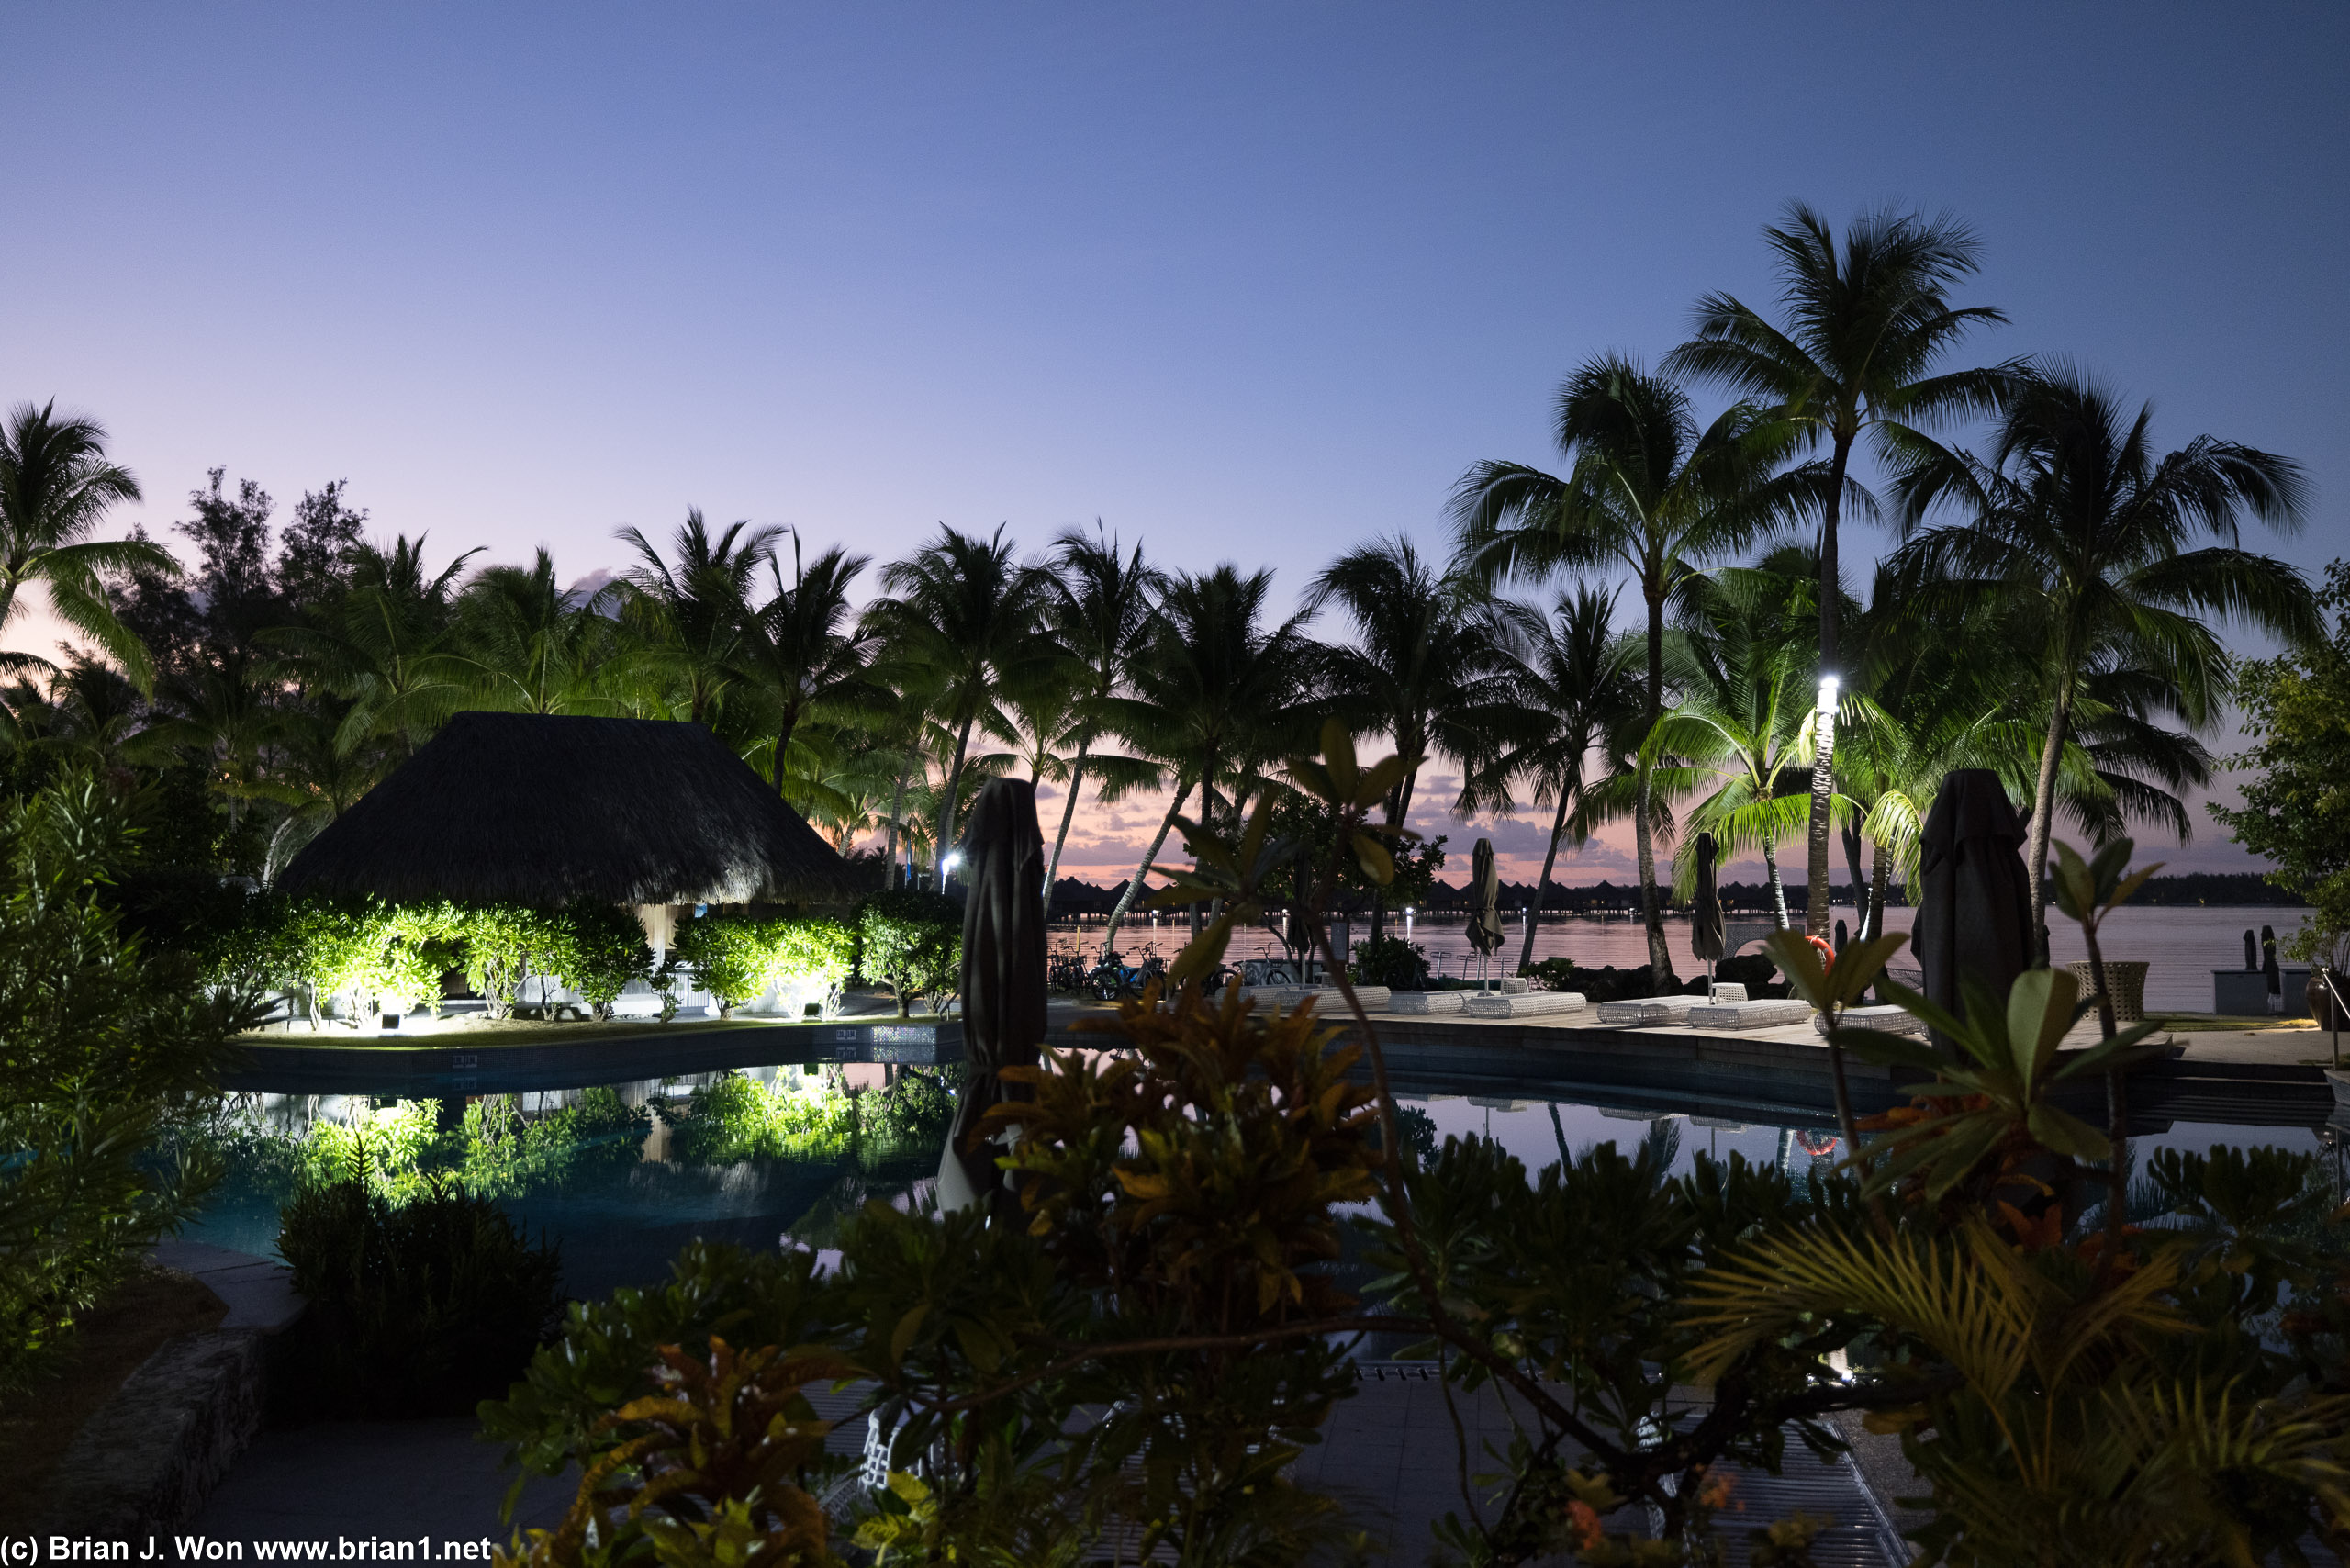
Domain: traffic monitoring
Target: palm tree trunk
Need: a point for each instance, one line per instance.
(1851, 837)
(1823, 780)
(1542, 886)
(782, 746)
(1778, 890)
(1068, 810)
(1823, 794)
(1880, 870)
(897, 815)
(2043, 807)
(1643, 841)
(1126, 899)
(943, 843)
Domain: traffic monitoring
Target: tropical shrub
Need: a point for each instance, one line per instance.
(736, 957)
(1217, 1156)
(598, 948)
(421, 1307)
(1390, 961)
(912, 941)
(103, 1055)
(708, 1469)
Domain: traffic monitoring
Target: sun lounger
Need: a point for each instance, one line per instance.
(1328, 1001)
(1649, 1010)
(1749, 1014)
(1520, 1004)
(1427, 1001)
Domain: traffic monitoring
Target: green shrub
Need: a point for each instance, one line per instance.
(912, 940)
(1390, 961)
(736, 957)
(102, 1057)
(599, 948)
(505, 944)
(420, 1308)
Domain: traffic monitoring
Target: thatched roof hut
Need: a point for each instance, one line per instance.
(525, 808)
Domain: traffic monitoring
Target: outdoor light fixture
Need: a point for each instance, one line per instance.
(1828, 694)
(954, 859)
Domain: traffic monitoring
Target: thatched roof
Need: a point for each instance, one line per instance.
(523, 808)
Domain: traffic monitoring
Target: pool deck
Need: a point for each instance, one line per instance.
(2263, 1077)
(2269, 1076)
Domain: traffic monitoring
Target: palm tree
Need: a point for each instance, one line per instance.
(1646, 489)
(971, 619)
(695, 612)
(388, 647)
(2081, 531)
(1866, 322)
(1744, 718)
(1579, 683)
(1215, 696)
(1429, 664)
(533, 646)
(56, 487)
(809, 656)
(1101, 607)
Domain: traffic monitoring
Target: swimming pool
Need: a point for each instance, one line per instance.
(623, 1175)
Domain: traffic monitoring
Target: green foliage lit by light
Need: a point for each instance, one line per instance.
(912, 940)
(736, 957)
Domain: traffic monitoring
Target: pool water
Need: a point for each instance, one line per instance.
(622, 1176)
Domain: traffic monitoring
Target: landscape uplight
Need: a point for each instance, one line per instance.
(1828, 694)
(954, 859)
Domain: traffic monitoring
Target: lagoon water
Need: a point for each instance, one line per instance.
(2181, 945)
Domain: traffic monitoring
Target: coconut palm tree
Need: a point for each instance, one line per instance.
(1429, 664)
(531, 645)
(1647, 490)
(1216, 695)
(808, 655)
(1576, 682)
(693, 613)
(1102, 606)
(971, 619)
(56, 487)
(388, 648)
(1743, 720)
(2081, 531)
(1867, 321)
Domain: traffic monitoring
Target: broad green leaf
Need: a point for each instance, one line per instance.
(2041, 1007)
(1205, 952)
(908, 1327)
(2068, 1134)
(1376, 863)
(1338, 756)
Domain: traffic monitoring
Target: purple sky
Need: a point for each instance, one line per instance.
(1251, 282)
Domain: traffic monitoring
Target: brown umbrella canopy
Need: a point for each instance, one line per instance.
(540, 809)
(1975, 921)
(1003, 967)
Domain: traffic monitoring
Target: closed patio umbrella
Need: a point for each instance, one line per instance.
(1706, 911)
(2251, 949)
(1975, 921)
(1004, 975)
(2268, 968)
(1485, 900)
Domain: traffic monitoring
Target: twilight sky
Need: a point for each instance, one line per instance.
(1252, 282)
